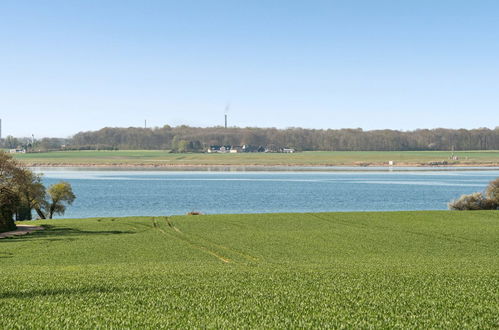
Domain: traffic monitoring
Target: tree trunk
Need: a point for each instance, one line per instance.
(6, 220)
(40, 213)
(52, 209)
(24, 213)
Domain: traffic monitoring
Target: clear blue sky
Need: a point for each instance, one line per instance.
(68, 66)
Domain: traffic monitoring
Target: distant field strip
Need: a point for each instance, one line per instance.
(310, 158)
(434, 269)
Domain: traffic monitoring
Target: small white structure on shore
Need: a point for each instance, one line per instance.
(390, 163)
(235, 149)
(17, 151)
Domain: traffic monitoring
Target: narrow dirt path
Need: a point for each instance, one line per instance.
(21, 230)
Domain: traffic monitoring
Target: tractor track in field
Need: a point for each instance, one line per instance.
(208, 242)
(176, 233)
(433, 235)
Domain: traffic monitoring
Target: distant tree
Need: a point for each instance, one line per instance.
(21, 191)
(175, 138)
(58, 195)
(10, 177)
(182, 146)
(8, 203)
(11, 142)
(31, 193)
(47, 144)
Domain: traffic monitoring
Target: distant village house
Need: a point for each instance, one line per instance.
(219, 149)
(17, 151)
(247, 148)
(236, 149)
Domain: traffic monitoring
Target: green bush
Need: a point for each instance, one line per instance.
(478, 201)
(475, 201)
(492, 191)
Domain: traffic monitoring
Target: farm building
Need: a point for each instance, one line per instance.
(17, 151)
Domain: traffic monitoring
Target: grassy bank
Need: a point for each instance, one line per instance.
(312, 158)
(386, 269)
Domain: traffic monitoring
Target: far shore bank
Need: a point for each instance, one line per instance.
(308, 159)
(201, 166)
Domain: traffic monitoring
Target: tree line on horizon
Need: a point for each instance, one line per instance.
(195, 139)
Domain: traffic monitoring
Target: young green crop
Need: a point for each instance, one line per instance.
(385, 270)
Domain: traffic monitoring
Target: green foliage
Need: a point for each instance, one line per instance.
(168, 138)
(21, 191)
(31, 193)
(183, 146)
(11, 180)
(60, 194)
(302, 139)
(329, 270)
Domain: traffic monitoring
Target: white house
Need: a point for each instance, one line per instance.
(17, 151)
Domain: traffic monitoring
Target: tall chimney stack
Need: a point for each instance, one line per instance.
(225, 121)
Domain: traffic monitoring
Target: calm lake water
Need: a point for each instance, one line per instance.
(114, 192)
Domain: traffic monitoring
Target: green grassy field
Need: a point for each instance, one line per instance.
(317, 158)
(436, 269)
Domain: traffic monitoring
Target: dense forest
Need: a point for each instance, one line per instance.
(195, 139)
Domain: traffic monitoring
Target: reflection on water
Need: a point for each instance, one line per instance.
(221, 168)
(126, 192)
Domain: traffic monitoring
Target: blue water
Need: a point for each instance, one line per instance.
(113, 193)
